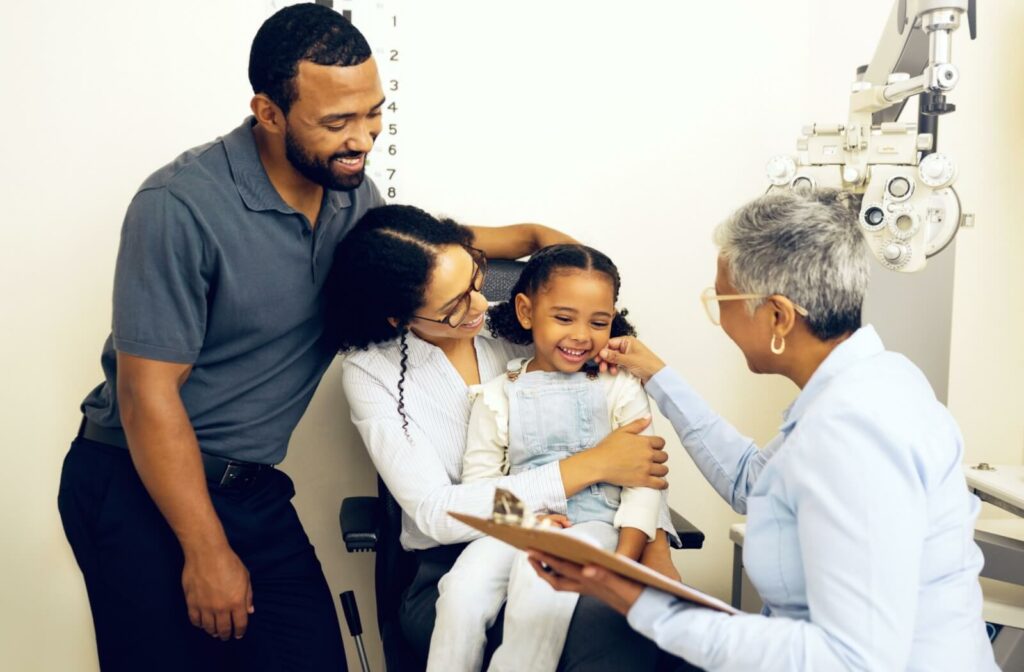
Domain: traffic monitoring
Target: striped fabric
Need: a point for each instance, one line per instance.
(423, 470)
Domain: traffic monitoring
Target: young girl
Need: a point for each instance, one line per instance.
(543, 409)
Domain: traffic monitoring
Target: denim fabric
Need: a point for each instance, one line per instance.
(552, 416)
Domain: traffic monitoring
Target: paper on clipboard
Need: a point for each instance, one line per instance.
(580, 552)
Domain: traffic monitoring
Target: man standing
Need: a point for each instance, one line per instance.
(215, 352)
(192, 553)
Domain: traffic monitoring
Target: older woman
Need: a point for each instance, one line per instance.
(859, 523)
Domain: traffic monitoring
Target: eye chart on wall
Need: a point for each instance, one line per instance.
(380, 23)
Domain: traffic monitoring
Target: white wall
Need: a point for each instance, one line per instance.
(987, 362)
(634, 126)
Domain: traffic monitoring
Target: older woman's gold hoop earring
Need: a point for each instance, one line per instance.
(781, 348)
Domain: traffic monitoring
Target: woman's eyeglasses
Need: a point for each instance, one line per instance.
(457, 315)
(711, 299)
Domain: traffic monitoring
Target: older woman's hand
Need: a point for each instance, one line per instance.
(629, 353)
(617, 592)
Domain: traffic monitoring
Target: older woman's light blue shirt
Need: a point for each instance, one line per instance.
(859, 527)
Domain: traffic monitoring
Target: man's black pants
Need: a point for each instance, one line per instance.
(132, 564)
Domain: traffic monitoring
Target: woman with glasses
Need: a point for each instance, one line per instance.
(859, 534)
(404, 301)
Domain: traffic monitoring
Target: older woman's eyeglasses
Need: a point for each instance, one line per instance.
(457, 315)
(711, 299)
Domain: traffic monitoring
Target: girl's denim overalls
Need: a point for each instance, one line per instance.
(554, 415)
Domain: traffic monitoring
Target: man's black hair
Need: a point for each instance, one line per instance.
(305, 32)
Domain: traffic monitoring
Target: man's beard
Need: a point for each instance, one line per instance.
(319, 171)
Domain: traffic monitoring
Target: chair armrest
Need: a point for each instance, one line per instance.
(360, 523)
(687, 532)
(360, 529)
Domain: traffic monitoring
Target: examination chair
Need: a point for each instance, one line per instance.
(374, 524)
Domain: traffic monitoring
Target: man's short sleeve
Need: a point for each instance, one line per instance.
(376, 200)
(160, 283)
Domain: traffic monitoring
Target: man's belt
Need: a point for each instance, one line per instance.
(219, 470)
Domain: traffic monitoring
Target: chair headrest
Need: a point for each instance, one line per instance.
(501, 277)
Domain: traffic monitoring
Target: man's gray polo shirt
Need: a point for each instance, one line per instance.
(217, 271)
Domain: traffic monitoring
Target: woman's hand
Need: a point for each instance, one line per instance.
(617, 592)
(553, 520)
(627, 352)
(624, 457)
(630, 459)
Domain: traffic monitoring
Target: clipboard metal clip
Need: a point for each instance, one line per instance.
(510, 510)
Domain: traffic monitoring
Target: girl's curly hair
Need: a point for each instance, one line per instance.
(502, 320)
(380, 271)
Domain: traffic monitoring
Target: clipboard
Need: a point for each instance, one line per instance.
(582, 553)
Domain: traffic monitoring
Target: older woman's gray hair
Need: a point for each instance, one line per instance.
(806, 246)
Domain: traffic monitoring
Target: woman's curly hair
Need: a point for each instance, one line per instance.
(380, 272)
(502, 319)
